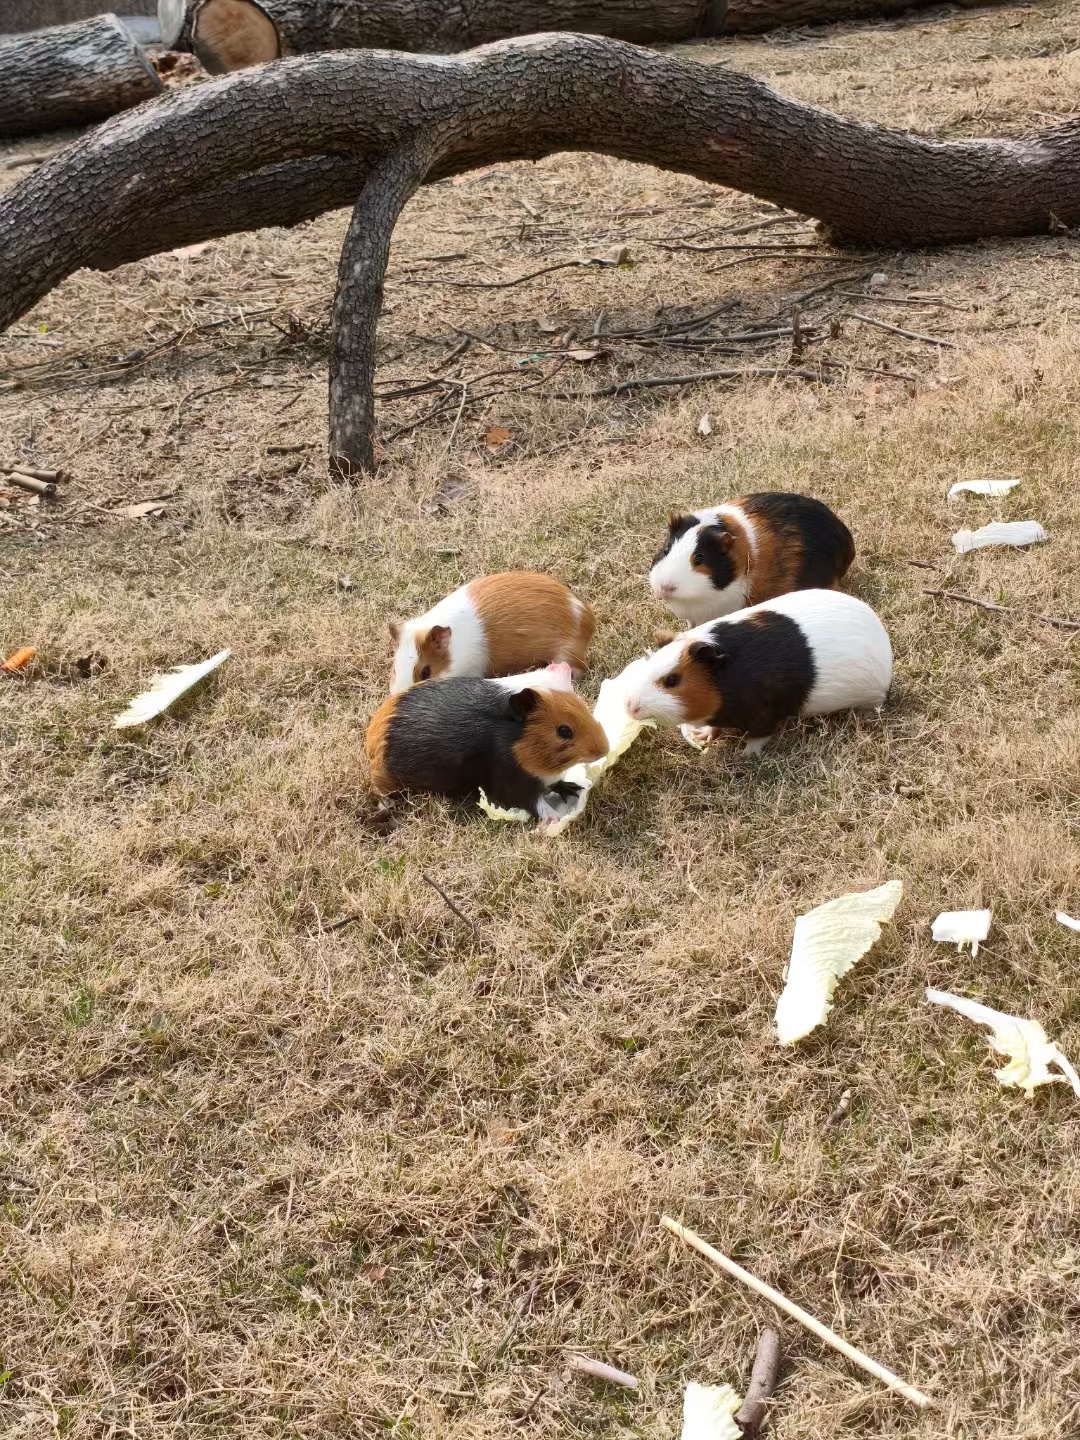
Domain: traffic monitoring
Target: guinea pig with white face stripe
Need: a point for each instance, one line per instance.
(720, 560)
(807, 653)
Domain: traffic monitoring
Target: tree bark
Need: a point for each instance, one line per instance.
(231, 34)
(71, 75)
(194, 165)
(390, 184)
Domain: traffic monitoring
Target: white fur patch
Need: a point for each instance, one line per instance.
(692, 595)
(468, 643)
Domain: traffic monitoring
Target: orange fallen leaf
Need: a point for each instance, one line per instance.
(19, 659)
(498, 436)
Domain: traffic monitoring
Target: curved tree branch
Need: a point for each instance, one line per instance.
(391, 182)
(285, 141)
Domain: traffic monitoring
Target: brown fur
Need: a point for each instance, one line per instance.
(432, 649)
(776, 566)
(698, 696)
(376, 742)
(541, 751)
(529, 620)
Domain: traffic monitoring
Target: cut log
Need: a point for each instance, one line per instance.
(194, 165)
(231, 34)
(71, 75)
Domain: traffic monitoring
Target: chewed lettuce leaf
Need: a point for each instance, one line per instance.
(709, 1413)
(1025, 1043)
(827, 943)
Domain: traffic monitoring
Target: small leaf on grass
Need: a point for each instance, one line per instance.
(547, 327)
(583, 356)
(704, 425)
(497, 437)
(617, 255)
(143, 510)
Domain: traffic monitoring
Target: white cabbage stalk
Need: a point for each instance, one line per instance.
(709, 1413)
(1025, 1043)
(1066, 920)
(995, 488)
(827, 943)
(962, 927)
(166, 689)
(1000, 532)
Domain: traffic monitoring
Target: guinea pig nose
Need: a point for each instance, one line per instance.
(667, 589)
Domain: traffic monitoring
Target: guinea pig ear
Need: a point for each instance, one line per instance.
(717, 535)
(675, 522)
(705, 652)
(394, 626)
(664, 637)
(438, 639)
(523, 703)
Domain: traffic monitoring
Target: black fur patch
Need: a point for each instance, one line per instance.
(676, 530)
(803, 524)
(457, 736)
(763, 671)
(713, 553)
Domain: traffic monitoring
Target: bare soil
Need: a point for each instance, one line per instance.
(269, 1174)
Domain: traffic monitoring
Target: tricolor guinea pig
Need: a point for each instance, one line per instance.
(492, 626)
(753, 549)
(807, 653)
(465, 734)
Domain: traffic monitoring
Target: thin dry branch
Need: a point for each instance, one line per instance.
(655, 381)
(1059, 622)
(904, 334)
(754, 1410)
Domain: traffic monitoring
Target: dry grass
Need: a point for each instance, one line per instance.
(265, 1180)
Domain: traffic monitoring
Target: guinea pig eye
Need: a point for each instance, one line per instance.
(564, 732)
(670, 681)
(425, 673)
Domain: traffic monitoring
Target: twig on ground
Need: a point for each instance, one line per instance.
(652, 381)
(338, 924)
(903, 299)
(446, 898)
(448, 359)
(45, 488)
(499, 284)
(858, 1357)
(905, 334)
(825, 285)
(923, 564)
(1058, 621)
(753, 1412)
(599, 1371)
(840, 1110)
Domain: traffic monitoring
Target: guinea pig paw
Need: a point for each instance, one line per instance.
(755, 747)
(699, 736)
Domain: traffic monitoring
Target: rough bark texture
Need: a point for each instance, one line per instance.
(230, 34)
(194, 165)
(17, 16)
(71, 75)
(753, 1412)
(389, 185)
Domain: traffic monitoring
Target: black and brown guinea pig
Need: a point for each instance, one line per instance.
(807, 653)
(749, 550)
(462, 735)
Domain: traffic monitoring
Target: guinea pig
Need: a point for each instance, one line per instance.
(807, 653)
(465, 734)
(492, 626)
(753, 549)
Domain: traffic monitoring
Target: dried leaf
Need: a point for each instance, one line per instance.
(705, 425)
(497, 437)
(709, 1413)
(373, 1273)
(143, 510)
(828, 941)
(547, 327)
(166, 689)
(583, 356)
(18, 659)
(501, 1133)
(617, 255)
(1001, 532)
(189, 252)
(994, 488)
(1023, 1041)
(963, 927)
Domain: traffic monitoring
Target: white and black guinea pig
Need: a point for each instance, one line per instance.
(753, 549)
(807, 653)
(464, 734)
(492, 626)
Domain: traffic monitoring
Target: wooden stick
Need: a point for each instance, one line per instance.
(1058, 621)
(49, 476)
(753, 1411)
(45, 488)
(446, 898)
(654, 380)
(895, 330)
(599, 1371)
(857, 1357)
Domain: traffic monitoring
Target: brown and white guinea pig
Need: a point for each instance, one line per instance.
(466, 734)
(807, 653)
(494, 625)
(752, 549)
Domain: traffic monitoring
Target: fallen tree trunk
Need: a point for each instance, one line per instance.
(71, 75)
(194, 165)
(231, 34)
